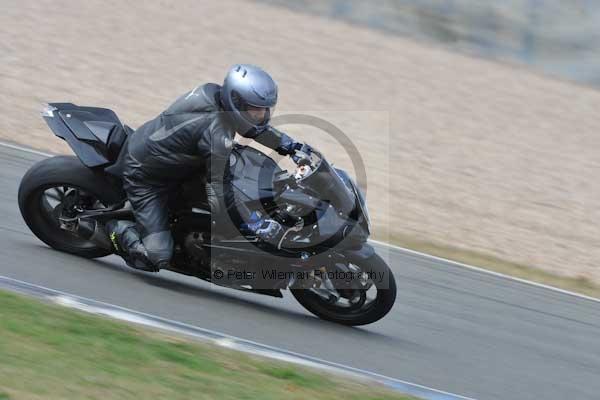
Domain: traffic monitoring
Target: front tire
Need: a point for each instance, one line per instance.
(381, 305)
(57, 172)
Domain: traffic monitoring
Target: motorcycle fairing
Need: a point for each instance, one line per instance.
(95, 134)
(253, 174)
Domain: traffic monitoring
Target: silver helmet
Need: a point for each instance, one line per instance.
(249, 94)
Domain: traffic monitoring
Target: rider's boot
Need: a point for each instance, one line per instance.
(126, 243)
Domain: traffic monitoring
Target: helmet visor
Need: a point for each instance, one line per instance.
(257, 115)
(254, 114)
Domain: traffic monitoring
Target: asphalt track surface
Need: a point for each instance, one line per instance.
(453, 329)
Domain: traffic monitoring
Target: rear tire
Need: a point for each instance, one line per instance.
(55, 172)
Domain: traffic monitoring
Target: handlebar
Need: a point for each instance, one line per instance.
(302, 155)
(307, 161)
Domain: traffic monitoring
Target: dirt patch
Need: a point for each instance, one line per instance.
(459, 151)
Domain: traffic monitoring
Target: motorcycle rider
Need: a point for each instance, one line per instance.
(194, 137)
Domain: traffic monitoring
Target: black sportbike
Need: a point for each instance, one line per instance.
(322, 256)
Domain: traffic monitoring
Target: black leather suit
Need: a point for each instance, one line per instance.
(193, 136)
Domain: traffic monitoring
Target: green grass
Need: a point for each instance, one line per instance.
(581, 284)
(50, 352)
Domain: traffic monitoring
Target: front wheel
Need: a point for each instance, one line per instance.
(358, 306)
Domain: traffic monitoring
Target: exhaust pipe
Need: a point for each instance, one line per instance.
(94, 232)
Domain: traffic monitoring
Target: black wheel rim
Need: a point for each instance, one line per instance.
(353, 302)
(50, 200)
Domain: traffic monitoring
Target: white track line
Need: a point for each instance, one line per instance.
(26, 149)
(485, 271)
(404, 250)
(221, 339)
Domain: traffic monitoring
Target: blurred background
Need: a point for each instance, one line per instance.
(554, 36)
(477, 120)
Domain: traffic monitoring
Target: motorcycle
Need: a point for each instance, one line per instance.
(322, 256)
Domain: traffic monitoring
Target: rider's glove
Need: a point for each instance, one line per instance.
(265, 228)
(269, 229)
(288, 146)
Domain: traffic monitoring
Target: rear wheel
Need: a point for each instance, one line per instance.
(369, 301)
(42, 198)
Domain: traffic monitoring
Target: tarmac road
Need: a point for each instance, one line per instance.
(453, 328)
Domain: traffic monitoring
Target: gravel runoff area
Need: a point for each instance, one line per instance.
(459, 151)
